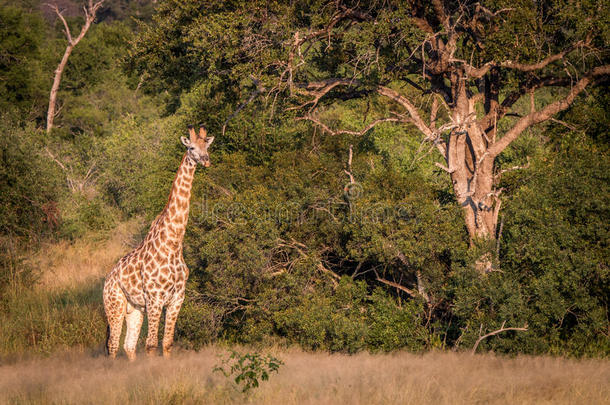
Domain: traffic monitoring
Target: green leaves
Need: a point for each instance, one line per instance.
(246, 369)
(22, 83)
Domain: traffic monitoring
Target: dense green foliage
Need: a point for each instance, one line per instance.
(21, 83)
(281, 245)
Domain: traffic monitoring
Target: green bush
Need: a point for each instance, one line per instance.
(82, 215)
(22, 81)
(349, 319)
(247, 369)
(29, 209)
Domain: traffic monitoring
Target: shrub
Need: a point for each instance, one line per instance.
(247, 369)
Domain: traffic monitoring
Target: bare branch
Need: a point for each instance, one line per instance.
(301, 249)
(63, 20)
(510, 169)
(499, 237)
(396, 285)
(498, 112)
(363, 131)
(348, 171)
(331, 273)
(69, 181)
(524, 67)
(548, 111)
(259, 89)
(445, 168)
(320, 89)
(495, 332)
(406, 103)
(565, 124)
(433, 113)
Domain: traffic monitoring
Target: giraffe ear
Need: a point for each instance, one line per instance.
(209, 140)
(185, 141)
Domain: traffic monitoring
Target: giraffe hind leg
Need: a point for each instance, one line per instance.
(115, 304)
(134, 323)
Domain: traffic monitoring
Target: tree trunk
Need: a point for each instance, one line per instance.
(473, 184)
(56, 81)
(477, 198)
(90, 12)
(471, 166)
(471, 169)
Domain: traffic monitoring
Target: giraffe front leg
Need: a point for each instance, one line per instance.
(171, 315)
(154, 315)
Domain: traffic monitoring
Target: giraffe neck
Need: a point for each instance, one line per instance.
(177, 209)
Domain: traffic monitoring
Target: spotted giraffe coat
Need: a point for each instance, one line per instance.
(154, 274)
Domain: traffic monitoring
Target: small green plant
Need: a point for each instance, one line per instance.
(246, 369)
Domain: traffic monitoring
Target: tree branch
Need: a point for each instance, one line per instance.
(320, 89)
(548, 111)
(63, 20)
(259, 89)
(396, 285)
(524, 67)
(348, 171)
(510, 169)
(499, 111)
(406, 103)
(363, 131)
(439, 10)
(495, 332)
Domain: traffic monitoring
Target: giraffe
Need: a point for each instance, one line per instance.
(154, 274)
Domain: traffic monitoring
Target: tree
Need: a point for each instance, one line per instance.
(90, 12)
(469, 65)
(458, 73)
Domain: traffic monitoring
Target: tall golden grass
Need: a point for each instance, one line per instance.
(64, 309)
(65, 312)
(73, 264)
(311, 378)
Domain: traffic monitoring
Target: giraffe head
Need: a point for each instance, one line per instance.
(198, 144)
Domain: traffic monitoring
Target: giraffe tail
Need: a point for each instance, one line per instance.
(107, 345)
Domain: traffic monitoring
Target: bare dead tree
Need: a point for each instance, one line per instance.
(466, 100)
(495, 332)
(90, 12)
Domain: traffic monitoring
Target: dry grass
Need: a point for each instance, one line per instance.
(306, 378)
(65, 308)
(69, 294)
(85, 261)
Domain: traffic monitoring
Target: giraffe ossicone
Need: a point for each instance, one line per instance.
(153, 275)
